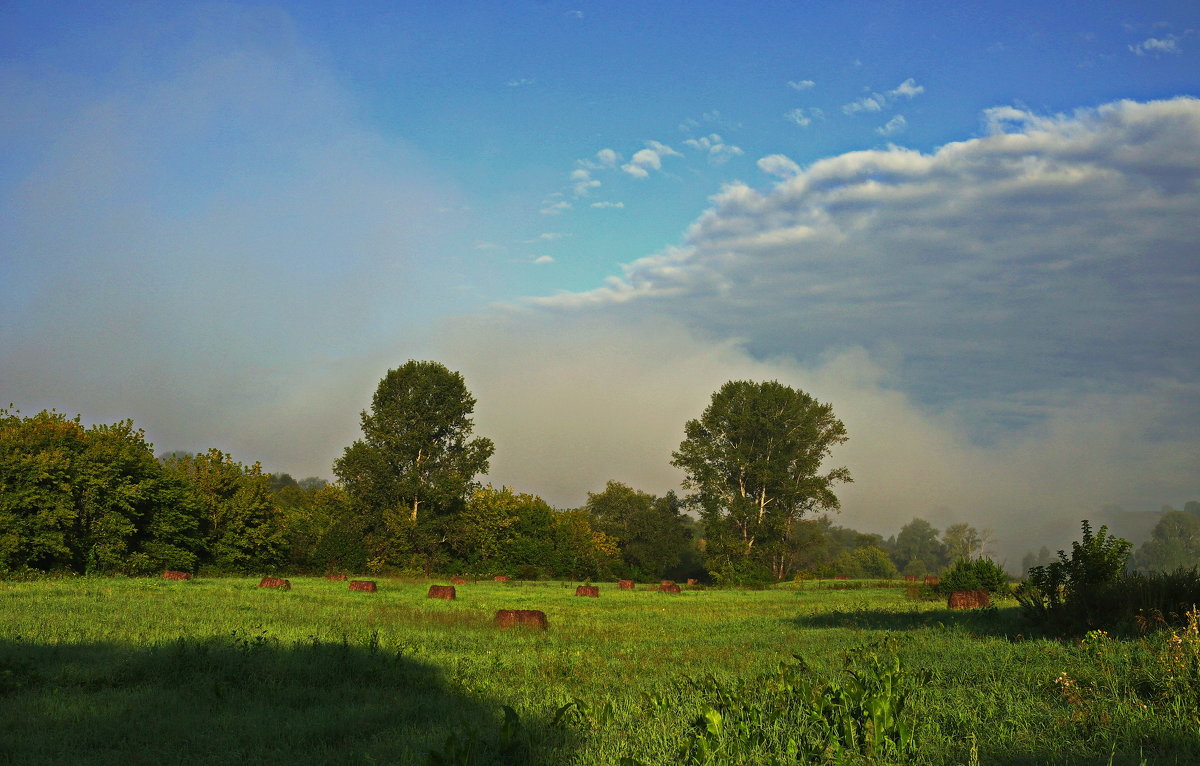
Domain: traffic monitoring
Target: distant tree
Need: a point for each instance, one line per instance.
(752, 462)
(961, 541)
(1174, 543)
(416, 463)
(918, 541)
(651, 532)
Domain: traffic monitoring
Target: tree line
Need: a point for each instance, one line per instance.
(407, 500)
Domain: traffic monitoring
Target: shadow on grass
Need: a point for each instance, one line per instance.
(249, 700)
(1004, 621)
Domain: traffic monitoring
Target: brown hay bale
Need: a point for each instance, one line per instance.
(968, 599)
(693, 581)
(588, 590)
(275, 582)
(336, 577)
(363, 586)
(665, 583)
(669, 588)
(932, 579)
(529, 618)
(442, 591)
(172, 574)
(501, 578)
(910, 578)
(458, 581)
(625, 584)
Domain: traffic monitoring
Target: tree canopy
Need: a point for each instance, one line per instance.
(416, 462)
(752, 462)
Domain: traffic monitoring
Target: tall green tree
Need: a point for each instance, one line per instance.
(1174, 543)
(416, 463)
(752, 462)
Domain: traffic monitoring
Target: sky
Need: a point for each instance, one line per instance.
(973, 229)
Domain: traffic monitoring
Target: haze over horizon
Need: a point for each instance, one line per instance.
(972, 230)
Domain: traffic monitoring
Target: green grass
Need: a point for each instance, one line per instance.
(217, 671)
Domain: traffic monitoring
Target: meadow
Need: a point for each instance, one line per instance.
(217, 671)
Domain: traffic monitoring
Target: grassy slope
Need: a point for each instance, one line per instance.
(218, 671)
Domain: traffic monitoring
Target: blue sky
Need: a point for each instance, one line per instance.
(970, 227)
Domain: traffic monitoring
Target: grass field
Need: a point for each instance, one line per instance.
(218, 671)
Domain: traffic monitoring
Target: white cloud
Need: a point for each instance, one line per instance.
(908, 89)
(554, 208)
(715, 147)
(800, 85)
(604, 159)
(650, 158)
(1007, 275)
(582, 182)
(803, 117)
(892, 126)
(872, 103)
(543, 259)
(1157, 45)
(608, 204)
(519, 83)
(778, 165)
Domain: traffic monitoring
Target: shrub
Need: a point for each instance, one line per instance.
(975, 574)
(1079, 591)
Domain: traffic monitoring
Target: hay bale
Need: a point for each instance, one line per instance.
(501, 578)
(458, 581)
(172, 574)
(932, 579)
(588, 590)
(693, 581)
(275, 582)
(363, 586)
(910, 578)
(625, 584)
(442, 591)
(336, 577)
(669, 587)
(529, 618)
(968, 599)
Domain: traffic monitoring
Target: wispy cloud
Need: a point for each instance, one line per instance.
(892, 126)
(801, 85)
(907, 89)
(648, 159)
(604, 205)
(519, 83)
(541, 259)
(582, 182)
(778, 165)
(715, 148)
(1154, 46)
(554, 207)
(804, 117)
(877, 102)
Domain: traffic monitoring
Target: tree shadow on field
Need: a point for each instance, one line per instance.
(249, 700)
(993, 621)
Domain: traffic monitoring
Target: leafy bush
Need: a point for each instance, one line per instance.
(975, 574)
(1079, 591)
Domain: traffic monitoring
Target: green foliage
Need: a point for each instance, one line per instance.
(651, 532)
(90, 500)
(975, 574)
(752, 462)
(1174, 543)
(241, 525)
(1077, 591)
(799, 715)
(918, 541)
(416, 463)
